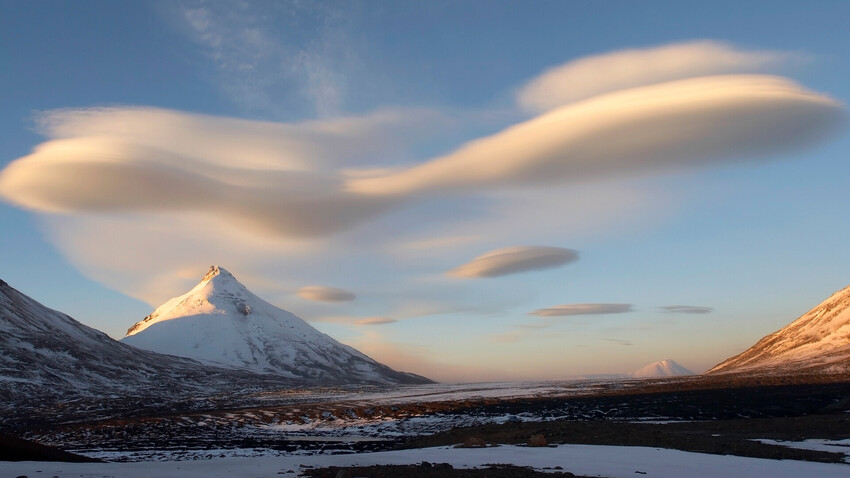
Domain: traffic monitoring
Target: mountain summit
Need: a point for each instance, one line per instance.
(819, 341)
(221, 322)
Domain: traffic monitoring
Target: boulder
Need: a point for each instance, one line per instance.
(537, 440)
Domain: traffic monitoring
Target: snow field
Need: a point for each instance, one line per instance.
(588, 460)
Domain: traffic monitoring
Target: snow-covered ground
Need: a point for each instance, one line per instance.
(589, 460)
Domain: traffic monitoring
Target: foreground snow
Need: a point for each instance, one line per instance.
(586, 460)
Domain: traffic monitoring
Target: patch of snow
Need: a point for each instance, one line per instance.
(588, 460)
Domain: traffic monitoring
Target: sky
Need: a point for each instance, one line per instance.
(472, 191)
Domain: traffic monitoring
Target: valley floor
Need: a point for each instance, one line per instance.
(728, 426)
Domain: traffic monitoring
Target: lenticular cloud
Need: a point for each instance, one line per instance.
(93, 168)
(687, 123)
(325, 294)
(512, 260)
(308, 180)
(582, 309)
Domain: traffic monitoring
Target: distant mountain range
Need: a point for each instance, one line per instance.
(220, 322)
(220, 337)
(232, 341)
(46, 354)
(817, 342)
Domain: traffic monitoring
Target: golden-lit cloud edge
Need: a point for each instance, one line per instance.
(598, 74)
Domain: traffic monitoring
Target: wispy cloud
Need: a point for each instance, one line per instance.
(686, 309)
(257, 57)
(619, 342)
(325, 294)
(582, 309)
(512, 260)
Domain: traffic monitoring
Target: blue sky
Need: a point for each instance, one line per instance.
(628, 155)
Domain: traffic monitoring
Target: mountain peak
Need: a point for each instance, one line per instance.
(220, 322)
(216, 271)
(218, 292)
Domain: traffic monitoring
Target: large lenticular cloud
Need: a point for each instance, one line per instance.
(686, 123)
(277, 184)
(93, 166)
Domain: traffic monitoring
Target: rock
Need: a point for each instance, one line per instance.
(537, 440)
(472, 442)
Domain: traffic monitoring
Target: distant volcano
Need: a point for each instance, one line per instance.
(222, 323)
(817, 342)
(660, 369)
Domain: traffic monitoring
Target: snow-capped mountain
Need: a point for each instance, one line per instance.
(46, 354)
(222, 323)
(819, 341)
(660, 369)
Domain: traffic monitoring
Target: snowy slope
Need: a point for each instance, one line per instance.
(819, 341)
(660, 369)
(220, 322)
(47, 354)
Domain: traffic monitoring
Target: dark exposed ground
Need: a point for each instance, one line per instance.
(728, 414)
(722, 437)
(711, 420)
(16, 449)
(428, 470)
